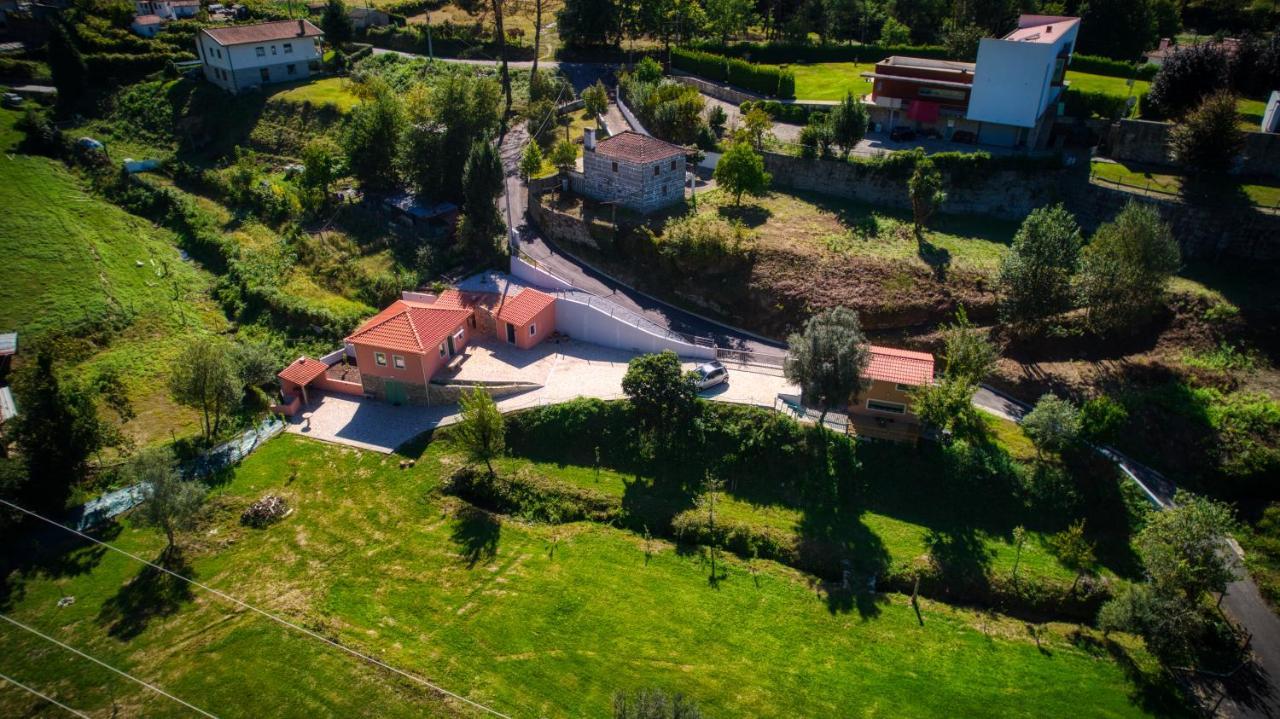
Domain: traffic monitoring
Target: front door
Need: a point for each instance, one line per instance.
(511, 333)
(396, 393)
(452, 350)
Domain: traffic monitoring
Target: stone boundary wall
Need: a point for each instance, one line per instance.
(1146, 142)
(728, 93)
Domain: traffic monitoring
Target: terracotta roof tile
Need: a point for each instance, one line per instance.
(522, 308)
(263, 32)
(901, 366)
(409, 327)
(634, 147)
(303, 370)
(148, 20)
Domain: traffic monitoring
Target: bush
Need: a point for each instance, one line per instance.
(783, 112)
(1098, 65)
(1086, 104)
(265, 511)
(763, 79)
(1208, 140)
(1187, 76)
(704, 243)
(531, 496)
(1101, 419)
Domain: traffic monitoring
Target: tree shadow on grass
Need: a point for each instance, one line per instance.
(1154, 692)
(151, 594)
(749, 215)
(48, 552)
(937, 258)
(476, 532)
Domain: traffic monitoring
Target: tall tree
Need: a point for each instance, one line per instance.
(1126, 267)
(66, 65)
(741, 171)
(925, 190)
(590, 23)
(169, 502)
(1209, 139)
(57, 431)
(729, 18)
(372, 138)
(336, 23)
(848, 122)
(530, 160)
(204, 376)
(537, 38)
(1182, 547)
(1120, 29)
(663, 396)
(828, 359)
(480, 431)
(1035, 275)
(1186, 77)
(970, 354)
(482, 179)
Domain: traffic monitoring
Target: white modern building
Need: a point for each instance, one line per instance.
(1007, 98)
(249, 56)
(168, 9)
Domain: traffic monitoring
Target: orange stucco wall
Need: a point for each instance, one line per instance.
(544, 323)
(885, 392)
(418, 369)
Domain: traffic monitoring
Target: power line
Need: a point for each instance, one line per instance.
(275, 618)
(103, 664)
(43, 696)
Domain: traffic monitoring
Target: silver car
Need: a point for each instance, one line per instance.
(710, 374)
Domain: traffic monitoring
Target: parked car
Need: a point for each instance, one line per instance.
(902, 133)
(711, 374)
(964, 136)
(12, 99)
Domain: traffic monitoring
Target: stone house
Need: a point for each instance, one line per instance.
(638, 172)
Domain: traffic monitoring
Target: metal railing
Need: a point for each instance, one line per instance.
(622, 314)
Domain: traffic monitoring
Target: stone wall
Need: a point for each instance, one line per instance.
(1146, 142)
(634, 184)
(728, 93)
(1008, 195)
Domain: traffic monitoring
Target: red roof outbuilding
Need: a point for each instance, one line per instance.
(303, 370)
(900, 366)
(521, 309)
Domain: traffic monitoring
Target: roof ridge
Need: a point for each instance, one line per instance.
(413, 326)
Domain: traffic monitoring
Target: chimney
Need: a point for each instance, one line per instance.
(589, 139)
(302, 29)
(1048, 29)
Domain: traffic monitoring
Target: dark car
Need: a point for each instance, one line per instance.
(964, 136)
(902, 133)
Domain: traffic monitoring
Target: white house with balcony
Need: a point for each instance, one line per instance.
(249, 56)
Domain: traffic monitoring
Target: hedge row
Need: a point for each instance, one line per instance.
(785, 112)
(1085, 104)
(447, 40)
(763, 79)
(960, 168)
(23, 69)
(1115, 68)
(783, 53)
(123, 68)
(531, 496)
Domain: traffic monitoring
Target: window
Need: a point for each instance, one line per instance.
(261, 51)
(472, 321)
(293, 69)
(533, 328)
(273, 49)
(219, 52)
(615, 167)
(398, 361)
(380, 359)
(656, 170)
(288, 48)
(891, 407)
(442, 349)
(265, 74)
(673, 164)
(904, 387)
(459, 334)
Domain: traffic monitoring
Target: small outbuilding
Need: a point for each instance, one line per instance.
(527, 319)
(639, 172)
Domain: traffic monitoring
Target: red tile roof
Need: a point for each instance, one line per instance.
(147, 20)
(410, 327)
(303, 370)
(263, 32)
(522, 308)
(901, 366)
(634, 147)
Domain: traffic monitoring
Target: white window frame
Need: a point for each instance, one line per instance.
(273, 50)
(380, 359)
(397, 361)
(260, 51)
(533, 328)
(902, 407)
(460, 334)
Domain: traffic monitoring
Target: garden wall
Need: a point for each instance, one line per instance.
(1144, 141)
(1005, 194)
(736, 96)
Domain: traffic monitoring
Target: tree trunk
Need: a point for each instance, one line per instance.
(488, 464)
(537, 35)
(502, 54)
(168, 532)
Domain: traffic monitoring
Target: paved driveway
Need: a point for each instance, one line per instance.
(560, 372)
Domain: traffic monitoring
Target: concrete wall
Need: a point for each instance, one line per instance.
(737, 95)
(1012, 81)
(593, 323)
(1147, 142)
(536, 276)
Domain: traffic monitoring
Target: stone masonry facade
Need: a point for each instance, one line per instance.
(642, 180)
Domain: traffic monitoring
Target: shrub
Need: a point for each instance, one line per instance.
(1086, 104)
(1208, 140)
(1101, 419)
(1098, 65)
(265, 511)
(1187, 76)
(531, 496)
(705, 244)
(764, 79)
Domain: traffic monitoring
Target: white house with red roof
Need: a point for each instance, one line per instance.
(240, 57)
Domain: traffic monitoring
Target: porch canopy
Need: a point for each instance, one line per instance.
(300, 373)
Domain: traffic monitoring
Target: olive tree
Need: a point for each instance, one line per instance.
(480, 430)
(1035, 275)
(925, 190)
(1052, 425)
(828, 358)
(1126, 266)
(169, 502)
(205, 376)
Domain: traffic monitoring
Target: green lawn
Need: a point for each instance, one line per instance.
(533, 619)
(1264, 193)
(1106, 84)
(831, 80)
(79, 267)
(333, 91)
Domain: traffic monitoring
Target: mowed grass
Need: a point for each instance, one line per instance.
(533, 620)
(79, 267)
(831, 227)
(331, 91)
(831, 80)
(1264, 193)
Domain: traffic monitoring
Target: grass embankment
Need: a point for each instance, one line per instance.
(1263, 193)
(536, 620)
(330, 91)
(110, 286)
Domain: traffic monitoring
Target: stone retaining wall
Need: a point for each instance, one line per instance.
(1146, 142)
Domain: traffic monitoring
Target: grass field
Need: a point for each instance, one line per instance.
(1263, 195)
(828, 226)
(333, 91)
(78, 267)
(533, 619)
(831, 80)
